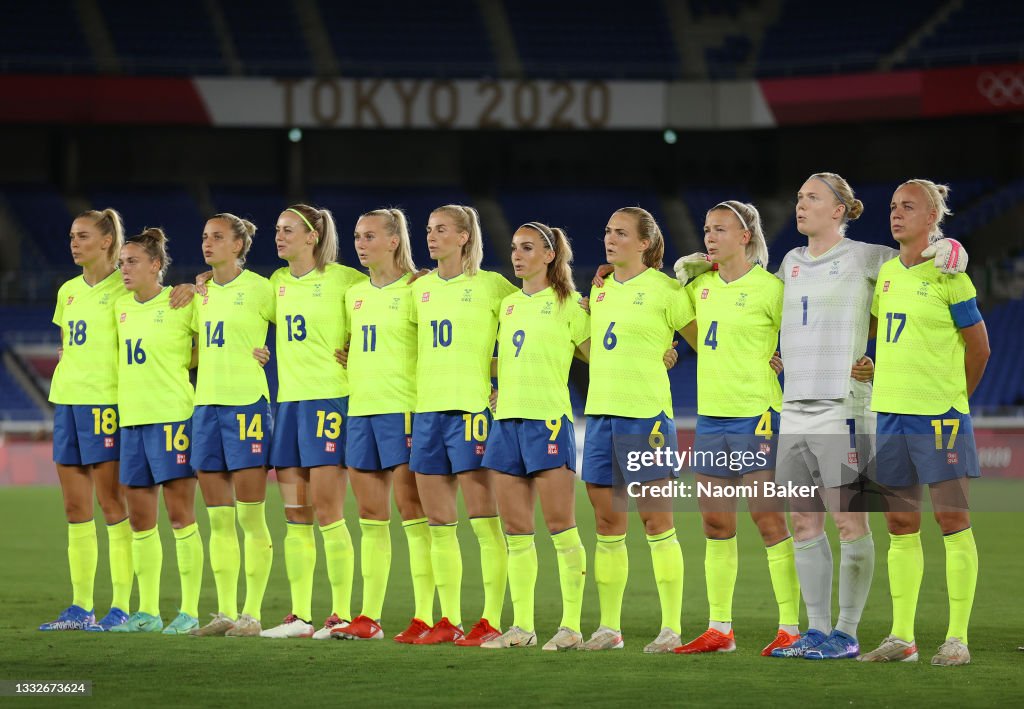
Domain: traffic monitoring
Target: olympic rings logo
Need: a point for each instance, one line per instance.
(1003, 88)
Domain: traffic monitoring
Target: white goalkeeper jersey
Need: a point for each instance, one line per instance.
(826, 313)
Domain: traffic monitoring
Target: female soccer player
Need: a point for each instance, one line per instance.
(629, 410)
(155, 399)
(456, 308)
(382, 369)
(308, 449)
(932, 352)
(86, 439)
(231, 424)
(531, 442)
(825, 426)
(737, 311)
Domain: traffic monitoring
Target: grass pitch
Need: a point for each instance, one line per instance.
(134, 671)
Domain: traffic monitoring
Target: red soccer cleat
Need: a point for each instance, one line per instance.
(481, 632)
(710, 641)
(782, 639)
(417, 629)
(443, 632)
(361, 628)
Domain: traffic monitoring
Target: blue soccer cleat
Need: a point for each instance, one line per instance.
(811, 639)
(839, 646)
(115, 617)
(71, 618)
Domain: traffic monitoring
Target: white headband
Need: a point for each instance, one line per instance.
(733, 210)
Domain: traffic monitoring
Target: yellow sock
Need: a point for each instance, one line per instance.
(189, 546)
(82, 556)
(300, 562)
(493, 566)
(611, 571)
(961, 580)
(259, 554)
(375, 559)
(785, 582)
(667, 558)
(572, 573)
(417, 534)
(341, 559)
(522, 578)
(148, 560)
(119, 551)
(906, 569)
(225, 558)
(446, 560)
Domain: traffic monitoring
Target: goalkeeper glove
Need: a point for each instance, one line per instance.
(950, 255)
(689, 267)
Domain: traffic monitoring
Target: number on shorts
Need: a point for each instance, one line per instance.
(852, 425)
(555, 426)
(136, 355)
(253, 430)
(476, 427)
(711, 339)
(175, 440)
(296, 327)
(937, 425)
(518, 338)
(76, 332)
(657, 438)
(764, 426)
(610, 340)
(328, 423)
(901, 319)
(104, 421)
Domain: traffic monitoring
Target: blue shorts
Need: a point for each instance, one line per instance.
(447, 442)
(85, 434)
(726, 447)
(614, 448)
(223, 442)
(917, 450)
(378, 442)
(526, 446)
(156, 453)
(309, 434)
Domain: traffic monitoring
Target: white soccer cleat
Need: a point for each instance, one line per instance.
(220, 625)
(564, 639)
(513, 637)
(291, 627)
(604, 638)
(892, 649)
(667, 641)
(952, 652)
(245, 627)
(332, 622)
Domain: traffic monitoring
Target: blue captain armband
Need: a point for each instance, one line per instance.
(966, 313)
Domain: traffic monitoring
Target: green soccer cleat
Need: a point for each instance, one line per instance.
(181, 625)
(140, 622)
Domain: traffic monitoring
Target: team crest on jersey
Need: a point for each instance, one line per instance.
(923, 290)
(425, 298)
(600, 297)
(358, 305)
(182, 459)
(509, 309)
(103, 301)
(159, 317)
(885, 287)
(952, 458)
(71, 299)
(638, 299)
(330, 446)
(795, 272)
(124, 316)
(742, 302)
(546, 310)
(834, 271)
(318, 290)
(552, 449)
(240, 299)
(396, 302)
(108, 442)
(257, 447)
(467, 295)
(704, 293)
(280, 291)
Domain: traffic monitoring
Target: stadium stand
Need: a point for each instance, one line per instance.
(268, 38)
(149, 38)
(61, 48)
(977, 32)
